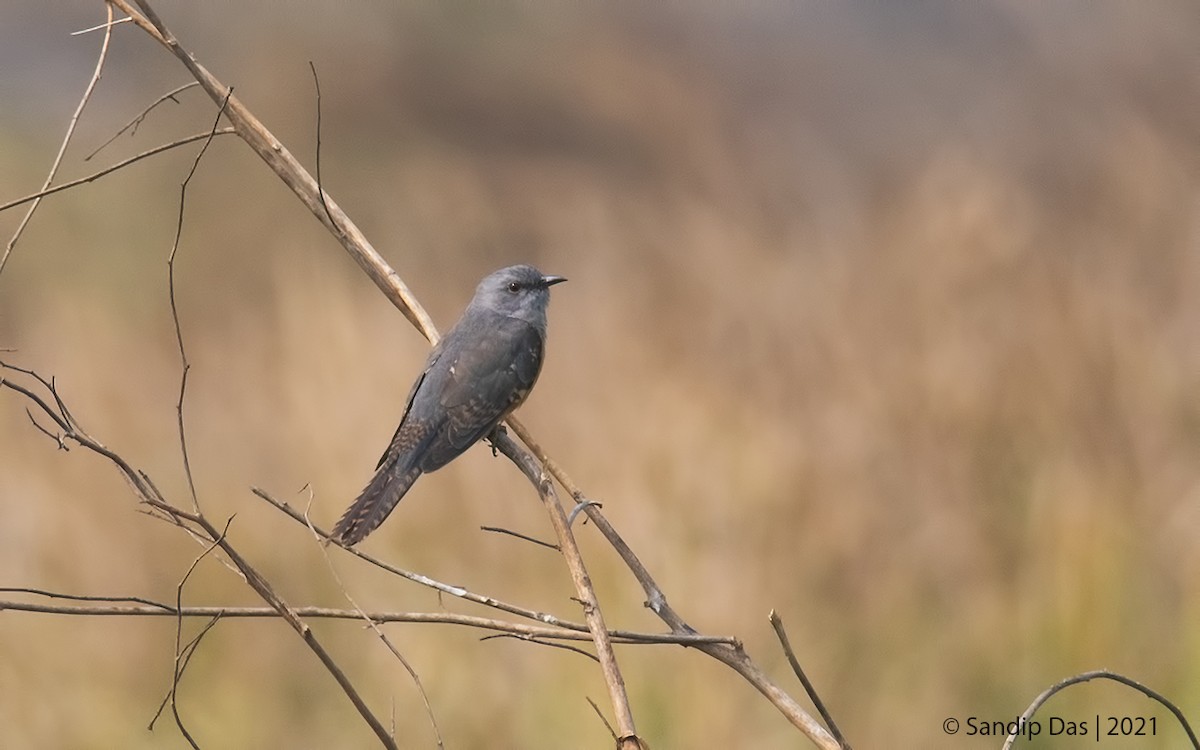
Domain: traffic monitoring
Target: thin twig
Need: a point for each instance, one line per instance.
(1101, 674)
(600, 713)
(97, 27)
(412, 672)
(181, 660)
(538, 641)
(519, 535)
(62, 149)
(786, 644)
(62, 445)
(137, 121)
(333, 225)
(166, 608)
(185, 366)
(119, 165)
(189, 650)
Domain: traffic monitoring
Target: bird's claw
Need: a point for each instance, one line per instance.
(491, 438)
(581, 505)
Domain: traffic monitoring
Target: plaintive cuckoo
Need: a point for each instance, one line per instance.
(476, 375)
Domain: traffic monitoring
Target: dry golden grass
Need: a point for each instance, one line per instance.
(886, 320)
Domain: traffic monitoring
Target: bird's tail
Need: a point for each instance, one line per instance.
(377, 500)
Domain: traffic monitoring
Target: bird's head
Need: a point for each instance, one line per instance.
(518, 292)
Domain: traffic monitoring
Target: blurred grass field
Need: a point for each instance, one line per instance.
(884, 316)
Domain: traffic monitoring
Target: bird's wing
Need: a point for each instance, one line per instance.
(486, 381)
(396, 443)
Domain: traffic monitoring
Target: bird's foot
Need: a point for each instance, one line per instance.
(580, 506)
(491, 438)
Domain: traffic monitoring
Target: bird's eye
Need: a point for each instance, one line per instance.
(514, 286)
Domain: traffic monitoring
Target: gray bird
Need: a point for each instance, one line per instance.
(476, 375)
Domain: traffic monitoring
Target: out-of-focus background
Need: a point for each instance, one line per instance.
(885, 316)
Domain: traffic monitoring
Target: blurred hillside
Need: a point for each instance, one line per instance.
(885, 316)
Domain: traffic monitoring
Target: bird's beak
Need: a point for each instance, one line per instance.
(552, 280)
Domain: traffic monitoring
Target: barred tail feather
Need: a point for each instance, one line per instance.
(376, 502)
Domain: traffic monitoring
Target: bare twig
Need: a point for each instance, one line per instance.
(183, 360)
(62, 445)
(189, 650)
(119, 165)
(540, 642)
(87, 94)
(784, 643)
(81, 598)
(519, 535)
(600, 713)
(183, 653)
(320, 187)
(1101, 674)
(412, 672)
(105, 25)
(137, 121)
